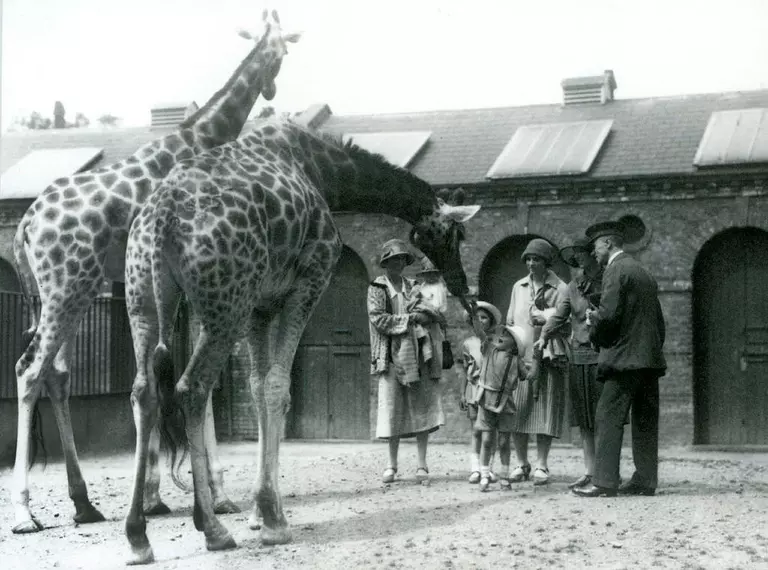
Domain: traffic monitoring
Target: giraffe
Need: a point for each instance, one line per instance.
(245, 232)
(73, 236)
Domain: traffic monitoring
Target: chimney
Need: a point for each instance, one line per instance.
(171, 114)
(591, 89)
(314, 116)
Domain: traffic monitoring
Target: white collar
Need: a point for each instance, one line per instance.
(613, 256)
(391, 289)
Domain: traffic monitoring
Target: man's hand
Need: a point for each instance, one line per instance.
(537, 317)
(539, 345)
(463, 404)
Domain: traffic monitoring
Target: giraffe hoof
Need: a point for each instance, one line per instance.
(141, 556)
(89, 514)
(254, 522)
(27, 527)
(226, 507)
(157, 509)
(271, 536)
(222, 542)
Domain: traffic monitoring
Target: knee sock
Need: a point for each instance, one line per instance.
(474, 461)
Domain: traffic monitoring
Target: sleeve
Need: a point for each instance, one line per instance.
(560, 317)
(384, 321)
(512, 303)
(606, 321)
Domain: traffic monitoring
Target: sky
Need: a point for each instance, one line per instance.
(359, 56)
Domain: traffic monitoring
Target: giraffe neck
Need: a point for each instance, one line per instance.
(350, 178)
(222, 118)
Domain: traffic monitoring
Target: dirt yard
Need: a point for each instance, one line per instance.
(711, 511)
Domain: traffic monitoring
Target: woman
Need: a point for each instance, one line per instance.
(541, 404)
(409, 392)
(583, 293)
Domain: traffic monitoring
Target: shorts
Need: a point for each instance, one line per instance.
(490, 421)
(472, 412)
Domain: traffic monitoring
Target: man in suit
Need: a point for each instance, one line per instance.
(628, 328)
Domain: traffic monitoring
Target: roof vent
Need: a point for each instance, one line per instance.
(171, 114)
(591, 89)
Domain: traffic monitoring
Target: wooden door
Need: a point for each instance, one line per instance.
(330, 388)
(730, 303)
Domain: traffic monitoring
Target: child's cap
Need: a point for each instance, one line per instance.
(491, 310)
(521, 337)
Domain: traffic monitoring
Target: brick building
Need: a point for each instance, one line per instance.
(688, 175)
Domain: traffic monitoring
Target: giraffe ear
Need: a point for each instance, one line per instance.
(245, 34)
(293, 38)
(459, 213)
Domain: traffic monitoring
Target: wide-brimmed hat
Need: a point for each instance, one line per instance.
(568, 253)
(491, 310)
(539, 247)
(600, 229)
(521, 337)
(427, 267)
(393, 248)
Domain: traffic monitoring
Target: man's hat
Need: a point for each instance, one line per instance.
(568, 253)
(521, 338)
(601, 229)
(491, 310)
(427, 267)
(395, 247)
(539, 247)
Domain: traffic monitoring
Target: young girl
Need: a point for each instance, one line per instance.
(487, 316)
(501, 370)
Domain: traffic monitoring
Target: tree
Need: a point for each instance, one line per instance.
(81, 121)
(267, 111)
(108, 120)
(59, 116)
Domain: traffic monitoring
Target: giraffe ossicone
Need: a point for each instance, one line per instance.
(245, 232)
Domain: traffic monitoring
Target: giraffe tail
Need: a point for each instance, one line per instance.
(27, 280)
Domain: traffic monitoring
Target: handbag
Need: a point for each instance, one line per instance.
(447, 355)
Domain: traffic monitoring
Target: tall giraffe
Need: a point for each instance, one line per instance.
(245, 232)
(74, 235)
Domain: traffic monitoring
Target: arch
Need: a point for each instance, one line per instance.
(330, 385)
(9, 280)
(730, 339)
(502, 266)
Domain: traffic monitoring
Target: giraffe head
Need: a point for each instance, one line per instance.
(439, 235)
(272, 42)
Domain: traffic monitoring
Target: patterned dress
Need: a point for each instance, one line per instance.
(404, 408)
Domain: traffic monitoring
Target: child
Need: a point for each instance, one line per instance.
(487, 316)
(502, 368)
(432, 294)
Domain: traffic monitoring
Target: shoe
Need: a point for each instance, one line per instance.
(492, 476)
(521, 473)
(484, 483)
(541, 476)
(592, 491)
(422, 474)
(505, 484)
(632, 488)
(389, 475)
(474, 477)
(582, 481)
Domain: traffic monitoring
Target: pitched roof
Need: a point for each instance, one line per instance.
(653, 136)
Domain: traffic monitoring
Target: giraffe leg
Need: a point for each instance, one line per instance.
(276, 400)
(196, 384)
(144, 402)
(258, 349)
(31, 371)
(153, 504)
(222, 505)
(58, 384)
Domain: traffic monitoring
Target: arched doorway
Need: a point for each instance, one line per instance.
(9, 281)
(730, 338)
(330, 387)
(503, 266)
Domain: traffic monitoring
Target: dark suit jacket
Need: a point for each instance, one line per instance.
(629, 326)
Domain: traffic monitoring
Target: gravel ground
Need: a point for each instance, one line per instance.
(711, 511)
